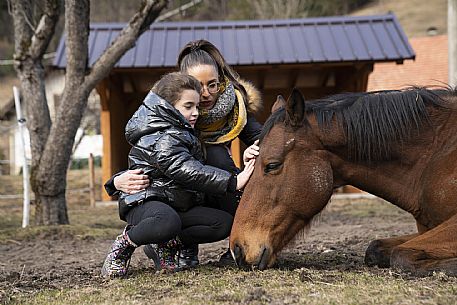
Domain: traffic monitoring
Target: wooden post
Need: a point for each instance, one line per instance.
(236, 152)
(105, 126)
(91, 180)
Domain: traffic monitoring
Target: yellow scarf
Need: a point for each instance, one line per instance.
(237, 118)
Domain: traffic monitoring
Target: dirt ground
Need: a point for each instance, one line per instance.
(324, 265)
(60, 257)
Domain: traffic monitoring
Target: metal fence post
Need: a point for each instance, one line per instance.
(25, 168)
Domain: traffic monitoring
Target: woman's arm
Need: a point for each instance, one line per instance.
(243, 177)
(129, 182)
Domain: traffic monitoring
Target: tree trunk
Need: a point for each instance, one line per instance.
(51, 210)
(50, 176)
(31, 75)
(30, 45)
(51, 143)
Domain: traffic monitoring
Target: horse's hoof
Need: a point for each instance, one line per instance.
(375, 255)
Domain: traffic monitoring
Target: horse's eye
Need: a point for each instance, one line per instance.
(272, 166)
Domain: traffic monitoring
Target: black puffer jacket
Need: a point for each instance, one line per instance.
(166, 149)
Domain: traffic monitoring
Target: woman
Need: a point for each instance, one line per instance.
(227, 105)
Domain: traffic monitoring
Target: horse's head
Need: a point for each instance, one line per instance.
(291, 183)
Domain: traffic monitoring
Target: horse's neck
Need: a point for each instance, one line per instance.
(396, 179)
(390, 181)
(383, 179)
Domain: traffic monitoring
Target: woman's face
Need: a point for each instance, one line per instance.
(187, 105)
(207, 76)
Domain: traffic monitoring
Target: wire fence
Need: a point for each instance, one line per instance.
(5, 128)
(89, 189)
(21, 196)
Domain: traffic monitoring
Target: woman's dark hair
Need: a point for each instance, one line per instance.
(203, 52)
(171, 85)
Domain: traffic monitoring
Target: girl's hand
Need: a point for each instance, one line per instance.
(132, 181)
(243, 177)
(251, 152)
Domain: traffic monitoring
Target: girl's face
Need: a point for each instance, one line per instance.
(208, 77)
(187, 105)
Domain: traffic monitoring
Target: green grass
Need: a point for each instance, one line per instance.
(210, 285)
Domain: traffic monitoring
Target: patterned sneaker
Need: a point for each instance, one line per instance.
(118, 259)
(168, 256)
(188, 256)
(151, 252)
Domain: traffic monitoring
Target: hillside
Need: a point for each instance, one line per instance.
(415, 16)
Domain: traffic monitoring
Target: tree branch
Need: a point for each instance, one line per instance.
(77, 26)
(140, 22)
(45, 29)
(21, 10)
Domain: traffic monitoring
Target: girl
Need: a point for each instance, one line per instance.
(168, 212)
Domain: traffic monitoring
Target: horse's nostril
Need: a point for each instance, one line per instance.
(264, 257)
(238, 253)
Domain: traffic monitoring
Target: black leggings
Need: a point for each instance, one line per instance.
(156, 222)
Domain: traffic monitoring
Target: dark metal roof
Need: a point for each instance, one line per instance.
(259, 42)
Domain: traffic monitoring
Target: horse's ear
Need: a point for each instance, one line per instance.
(295, 108)
(280, 102)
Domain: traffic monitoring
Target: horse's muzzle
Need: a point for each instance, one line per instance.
(264, 259)
(240, 258)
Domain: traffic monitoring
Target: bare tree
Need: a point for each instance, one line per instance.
(52, 142)
(267, 9)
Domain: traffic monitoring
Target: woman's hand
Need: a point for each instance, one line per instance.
(251, 152)
(132, 181)
(243, 177)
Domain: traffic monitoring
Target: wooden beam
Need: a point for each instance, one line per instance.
(113, 118)
(105, 128)
(103, 92)
(236, 152)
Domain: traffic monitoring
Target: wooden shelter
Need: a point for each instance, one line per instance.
(319, 56)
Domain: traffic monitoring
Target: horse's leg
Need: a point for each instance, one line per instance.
(379, 250)
(435, 250)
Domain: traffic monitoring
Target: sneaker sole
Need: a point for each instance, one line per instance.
(152, 254)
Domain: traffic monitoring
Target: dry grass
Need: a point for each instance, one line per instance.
(77, 190)
(209, 285)
(415, 16)
(325, 268)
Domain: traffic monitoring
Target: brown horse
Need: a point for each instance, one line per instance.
(398, 145)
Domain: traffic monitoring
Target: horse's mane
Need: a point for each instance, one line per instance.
(372, 120)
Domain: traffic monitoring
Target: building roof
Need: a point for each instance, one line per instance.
(260, 42)
(429, 69)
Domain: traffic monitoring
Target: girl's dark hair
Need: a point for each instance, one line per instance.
(203, 52)
(171, 85)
